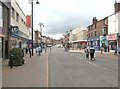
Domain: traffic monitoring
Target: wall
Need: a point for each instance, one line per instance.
(118, 21)
(22, 25)
(113, 23)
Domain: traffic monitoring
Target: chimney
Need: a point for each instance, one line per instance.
(117, 6)
(94, 20)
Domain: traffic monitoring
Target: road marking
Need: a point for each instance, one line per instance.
(46, 77)
(105, 68)
(92, 63)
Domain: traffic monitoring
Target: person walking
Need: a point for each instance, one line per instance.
(45, 47)
(36, 50)
(118, 50)
(115, 53)
(39, 50)
(26, 50)
(87, 52)
(30, 52)
(92, 51)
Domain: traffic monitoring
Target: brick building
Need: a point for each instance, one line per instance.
(97, 32)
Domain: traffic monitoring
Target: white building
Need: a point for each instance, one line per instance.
(18, 18)
(78, 37)
(113, 30)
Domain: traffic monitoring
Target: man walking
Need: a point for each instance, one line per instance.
(30, 52)
(39, 50)
(92, 51)
(87, 52)
(30, 46)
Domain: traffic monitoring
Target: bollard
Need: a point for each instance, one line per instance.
(11, 61)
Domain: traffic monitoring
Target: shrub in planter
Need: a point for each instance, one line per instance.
(16, 57)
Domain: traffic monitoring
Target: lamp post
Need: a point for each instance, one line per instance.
(41, 24)
(32, 21)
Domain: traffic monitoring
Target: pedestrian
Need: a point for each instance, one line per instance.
(115, 53)
(92, 51)
(36, 50)
(39, 50)
(87, 52)
(26, 50)
(118, 50)
(102, 49)
(45, 47)
(30, 52)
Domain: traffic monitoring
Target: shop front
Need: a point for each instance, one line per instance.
(2, 32)
(89, 42)
(79, 44)
(104, 43)
(95, 42)
(112, 41)
(18, 40)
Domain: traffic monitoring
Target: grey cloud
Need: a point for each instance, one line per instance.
(66, 23)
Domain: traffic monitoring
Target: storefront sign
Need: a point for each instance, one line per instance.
(112, 37)
(14, 29)
(102, 37)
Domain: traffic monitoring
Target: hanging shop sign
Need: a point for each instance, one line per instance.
(14, 29)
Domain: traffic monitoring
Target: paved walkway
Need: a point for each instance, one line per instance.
(34, 73)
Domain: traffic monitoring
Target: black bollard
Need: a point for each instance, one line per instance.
(11, 62)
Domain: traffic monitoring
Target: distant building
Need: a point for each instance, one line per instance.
(78, 37)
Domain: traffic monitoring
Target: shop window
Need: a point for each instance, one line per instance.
(91, 34)
(22, 20)
(95, 25)
(104, 30)
(17, 17)
(13, 12)
(95, 33)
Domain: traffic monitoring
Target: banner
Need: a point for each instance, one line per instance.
(28, 21)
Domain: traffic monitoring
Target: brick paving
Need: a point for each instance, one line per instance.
(32, 74)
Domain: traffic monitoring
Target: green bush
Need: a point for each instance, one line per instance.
(16, 57)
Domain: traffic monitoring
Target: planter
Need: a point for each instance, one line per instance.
(16, 57)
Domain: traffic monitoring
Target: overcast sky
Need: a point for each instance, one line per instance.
(59, 16)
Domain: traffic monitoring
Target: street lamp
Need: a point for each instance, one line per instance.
(32, 21)
(41, 24)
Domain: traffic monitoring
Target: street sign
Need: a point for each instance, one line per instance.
(14, 29)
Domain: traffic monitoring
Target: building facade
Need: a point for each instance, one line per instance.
(4, 28)
(78, 37)
(112, 31)
(97, 34)
(18, 18)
